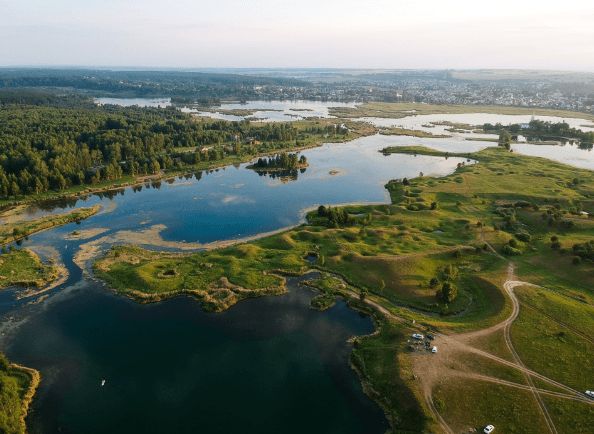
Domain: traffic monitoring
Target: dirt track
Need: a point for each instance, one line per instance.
(453, 348)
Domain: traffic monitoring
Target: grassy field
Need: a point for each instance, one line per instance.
(559, 345)
(462, 230)
(400, 110)
(17, 386)
(468, 406)
(24, 268)
(19, 229)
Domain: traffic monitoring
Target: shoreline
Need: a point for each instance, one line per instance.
(35, 377)
(88, 212)
(163, 176)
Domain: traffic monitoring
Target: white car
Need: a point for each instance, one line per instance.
(489, 429)
(434, 350)
(417, 336)
(590, 393)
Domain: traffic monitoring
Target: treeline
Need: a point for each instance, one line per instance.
(542, 130)
(285, 161)
(197, 85)
(52, 148)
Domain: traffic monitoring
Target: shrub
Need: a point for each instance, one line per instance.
(510, 251)
(448, 292)
(523, 236)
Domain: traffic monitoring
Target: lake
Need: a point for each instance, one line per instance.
(267, 365)
(171, 367)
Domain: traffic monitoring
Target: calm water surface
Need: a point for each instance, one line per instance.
(267, 365)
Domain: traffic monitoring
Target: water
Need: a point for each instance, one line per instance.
(266, 365)
(140, 102)
(272, 111)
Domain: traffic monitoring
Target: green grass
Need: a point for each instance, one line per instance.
(24, 268)
(393, 251)
(14, 396)
(570, 417)
(18, 230)
(469, 404)
(376, 359)
(552, 349)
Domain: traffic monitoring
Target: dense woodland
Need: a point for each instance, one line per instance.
(53, 148)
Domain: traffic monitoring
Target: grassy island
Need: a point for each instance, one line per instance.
(17, 387)
(19, 229)
(282, 162)
(443, 257)
(24, 268)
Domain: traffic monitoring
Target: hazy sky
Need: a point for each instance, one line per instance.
(299, 33)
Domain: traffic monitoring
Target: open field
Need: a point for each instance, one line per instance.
(400, 110)
(463, 229)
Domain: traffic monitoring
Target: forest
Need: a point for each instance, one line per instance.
(47, 147)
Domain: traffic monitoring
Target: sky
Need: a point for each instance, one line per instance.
(431, 34)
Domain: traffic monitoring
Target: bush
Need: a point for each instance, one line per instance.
(523, 236)
(511, 251)
(576, 260)
(513, 243)
(448, 292)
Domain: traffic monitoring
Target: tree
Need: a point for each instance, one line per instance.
(505, 139)
(448, 292)
(363, 294)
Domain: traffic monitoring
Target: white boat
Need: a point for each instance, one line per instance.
(102, 383)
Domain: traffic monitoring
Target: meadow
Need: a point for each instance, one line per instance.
(435, 257)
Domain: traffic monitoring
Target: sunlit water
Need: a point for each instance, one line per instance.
(267, 365)
(170, 367)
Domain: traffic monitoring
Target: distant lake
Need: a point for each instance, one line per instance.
(140, 102)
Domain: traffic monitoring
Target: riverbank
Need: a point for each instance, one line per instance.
(18, 385)
(17, 229)
(355, 130)
(399, 256)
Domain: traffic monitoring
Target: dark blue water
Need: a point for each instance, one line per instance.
(267, 365)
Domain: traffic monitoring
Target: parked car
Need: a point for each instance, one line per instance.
(417, 336)
(489, 429)
(430, 336)
(434, 350)
(590, 393)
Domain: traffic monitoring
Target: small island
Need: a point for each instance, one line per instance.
(280, 163)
